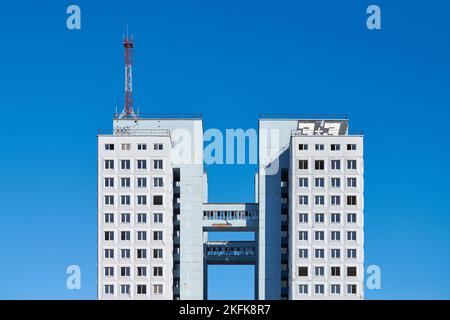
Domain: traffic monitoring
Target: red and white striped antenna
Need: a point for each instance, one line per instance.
(128, 107)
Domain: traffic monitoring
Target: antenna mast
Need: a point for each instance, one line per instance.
(128, 107)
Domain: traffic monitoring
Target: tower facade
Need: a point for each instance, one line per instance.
(154, 216)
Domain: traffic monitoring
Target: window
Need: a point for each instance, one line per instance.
(157, 235)
(303, 182)
(335, 289)
(302, 147)
(142, 164)
(142, 146)
(125, 200)
(335, 271)
(125, 164)
(351, 146)
(302, 271)
(335, 147)
(319, 235)
(109, 182)
(109, 217)
(303, 217)
(351, 271)
(319, 271)
(319, 147)
(109, 253)
(336, 200)
(125, 218)
(303, 288)
(157, 218)
(142, 235)
(141, 271)
(303, 235)
(126, 146)
(303, 253)
(319, 254)
(319, 164)
(142, 200)
(319, 289)
(335, 218)
(109, 146)
(351, 217)
(109, 235)
(157, 253)
(335, 235)
(157, 164)
(125, 182)
(351, 164)
(303, 200)
(157, 271)
(335, 164)
(125, 235)
(157, 146)
(351, 200)
(141, 289)
(319, 200)
(142, 218)
(319, 218)
(141, 253)
(125, 289)
(351, 253)
(303, 164)
(157, 200)
(125, 253)
(320, 182)
(335, 182)
(351, 288)
(124, 271)
(142, 182)
(351, 182)
(109, 200)
(109, 272)
(158, 182)
(157, 289)
(351, 235)
(335, 253)
(109, 164)
(109, 289)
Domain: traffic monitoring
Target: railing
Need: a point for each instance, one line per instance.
(230, 215)
(229, 251)
(135, 132)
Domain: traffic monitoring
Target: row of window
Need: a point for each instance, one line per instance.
(140, 235)
(125, 200)
(140, 253)
(139, 146)
(320, 164)
(320, 182)
(320, 235)
(319, 289)
(141, 182)
(141, 164)
(140, 289)
(320, 218)
(319, 271)
(140, 218)
(321, 147)
(141, 271)
(319, 253)
(335, 200)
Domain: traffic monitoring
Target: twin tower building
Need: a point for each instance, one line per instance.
(154, 216)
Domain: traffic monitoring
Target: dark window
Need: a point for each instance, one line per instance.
(303, 164)
(351, 271)
(302, 271)
(319, 164)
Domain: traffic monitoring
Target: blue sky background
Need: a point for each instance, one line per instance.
(228, 60)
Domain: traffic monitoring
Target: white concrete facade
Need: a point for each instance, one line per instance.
(154, 216)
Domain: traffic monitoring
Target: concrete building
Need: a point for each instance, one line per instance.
(154, 216)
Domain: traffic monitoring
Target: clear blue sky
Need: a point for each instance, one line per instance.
(230, 61)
